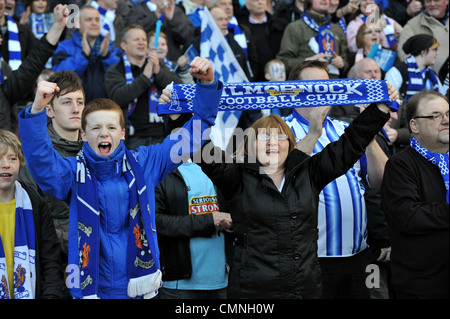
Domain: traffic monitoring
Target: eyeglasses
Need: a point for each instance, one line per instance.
(435, 116)
(266, 137)
(372, 31)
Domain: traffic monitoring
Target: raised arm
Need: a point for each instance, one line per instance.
(51, 172)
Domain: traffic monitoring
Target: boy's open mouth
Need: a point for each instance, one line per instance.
(104, 148)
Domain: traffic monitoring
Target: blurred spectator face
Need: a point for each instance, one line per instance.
(276, 72)
(320, 6)
(372, 36)
(202, 3)
(10, 6)
(221, 19)
(162, 48)
(366, 7)
(256, 6)
(430, 56)
(227, 6)
(369, 69)
(90, 22)
(39, 6)
(2, 8)
(333, 6)
(436, 8)
(109, 4)
(135, 45)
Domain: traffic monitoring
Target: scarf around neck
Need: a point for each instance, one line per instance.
(142, 254)
(15, 51)
(24, 251)
(417, 78)
(440, 160)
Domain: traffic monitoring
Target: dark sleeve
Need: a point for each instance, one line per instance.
(181, 27)
(338, 157)
(403, 202)
(172, 218)
(165, 76)
(52, 282)
(220, 168)
(119, 91)
(22, 80)
(140, 14)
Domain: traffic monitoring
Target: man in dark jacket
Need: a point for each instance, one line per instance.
(415, 197)
(22, 81)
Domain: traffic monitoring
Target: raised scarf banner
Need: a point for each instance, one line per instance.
(250, 96)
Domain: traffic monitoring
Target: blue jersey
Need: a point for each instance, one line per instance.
(342, 220)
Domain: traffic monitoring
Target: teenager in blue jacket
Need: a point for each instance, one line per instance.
(113, 251)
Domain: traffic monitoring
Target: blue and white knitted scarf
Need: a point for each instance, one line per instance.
(107, 18)
(417, 78)
(153, 92)
(142, 254)
(324, 37)
(440, 160)
(15, 52)
(250, 96)
(238, 35)
(24, 251)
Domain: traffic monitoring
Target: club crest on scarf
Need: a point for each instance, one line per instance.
(327, 41)
(4, 292)
(141, 251)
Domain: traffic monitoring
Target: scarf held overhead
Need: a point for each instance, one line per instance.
(142, 259)
(289, 94)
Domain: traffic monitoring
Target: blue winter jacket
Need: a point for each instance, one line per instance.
(57, 176)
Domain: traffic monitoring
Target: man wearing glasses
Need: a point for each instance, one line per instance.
(415, 195)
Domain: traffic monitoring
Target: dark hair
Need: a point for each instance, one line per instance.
(297, 70)
(421, 97)
(29, 2)
(101, 104)
(67, 81)
(418, 43)
(129, 27)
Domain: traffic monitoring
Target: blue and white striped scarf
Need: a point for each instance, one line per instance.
(15, 51)
(143, 266)
(417, 78)
(153, 94)
(107, 18)
(24, 251)
(440, 160)
(239, 36)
